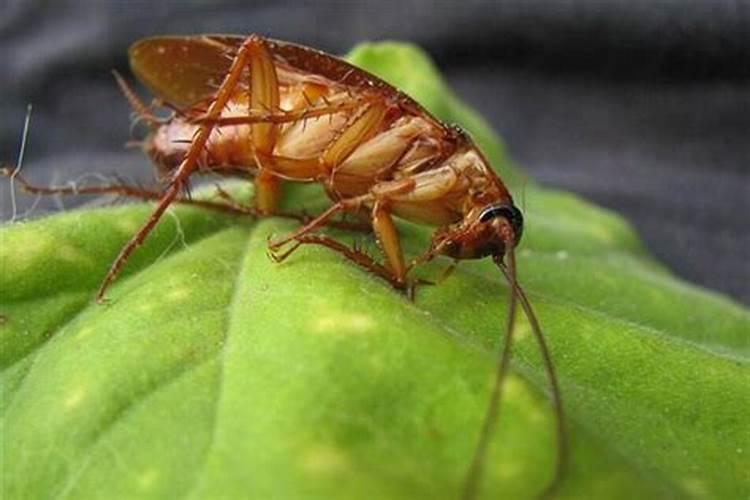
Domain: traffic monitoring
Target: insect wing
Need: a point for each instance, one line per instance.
(182, 70)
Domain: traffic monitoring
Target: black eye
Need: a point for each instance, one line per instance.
(509, 212)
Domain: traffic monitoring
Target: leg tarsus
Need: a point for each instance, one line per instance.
(411, 288)
(279, 258)
(317, 222)
(137, 240)
(355, 255)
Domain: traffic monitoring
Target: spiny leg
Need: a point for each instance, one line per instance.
(300, 216)
(390, 242)
(281, 117)
(264, 96)
(385, 229)
(319, 221)
(125, 190)
(355, 255)
(230, 205)
(141, 110)
(356, 132)
(189, 163)
(387, 235)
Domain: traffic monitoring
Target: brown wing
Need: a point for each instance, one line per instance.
(180, 70)
(184, 70)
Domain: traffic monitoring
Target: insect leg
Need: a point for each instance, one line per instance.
(337, 151)
(387, 234)
(300, 216)
(350, 204)
(188, 165)
(141, 110)
(264, 97)
(356, 132)
(123, 190)
(355, 255)
(279, 117)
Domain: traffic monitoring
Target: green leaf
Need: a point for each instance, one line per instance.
(215, 373)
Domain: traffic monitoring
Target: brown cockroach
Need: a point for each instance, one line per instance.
(277, 111)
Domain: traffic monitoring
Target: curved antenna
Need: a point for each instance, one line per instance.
(474, 474)
(517, 294)
(549, 368)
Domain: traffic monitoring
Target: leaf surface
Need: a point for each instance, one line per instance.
(215, 373)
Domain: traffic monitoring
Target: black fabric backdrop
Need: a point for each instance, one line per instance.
(642, 106)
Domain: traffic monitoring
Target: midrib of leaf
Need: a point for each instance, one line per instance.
(242, 262)
(415, 312)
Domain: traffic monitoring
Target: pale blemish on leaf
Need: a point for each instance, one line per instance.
(695, 487)
(509, 469)
(73, 255)
(342, 322)
(324, 459)
(145, 307)
(513, 387)
(147, 479)
(85, 332)
(178, 293)
(74, 398)
(522, 329)
(604, 234)
(125, 225)
(28, 249)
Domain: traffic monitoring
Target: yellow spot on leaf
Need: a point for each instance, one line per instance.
(509, 469)
(84, 332)
(695, 487)
(323, 459)
(147, 478)
(145, 307)
(177, 294)
(522, 330)
(75, 398)
(127, 226)
(513, 387)
(343, 322)
(28, 250)
(72, 254)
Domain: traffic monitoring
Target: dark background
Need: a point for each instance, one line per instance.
(642, 106)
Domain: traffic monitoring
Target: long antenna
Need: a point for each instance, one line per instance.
(471, 483)
(549, 368)
(474, 474)
(19, 163)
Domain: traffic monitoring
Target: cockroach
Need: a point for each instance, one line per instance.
(277, 111)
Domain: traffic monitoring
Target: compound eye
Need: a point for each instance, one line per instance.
(510, 212)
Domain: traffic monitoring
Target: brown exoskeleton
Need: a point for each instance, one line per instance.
(278, 112)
